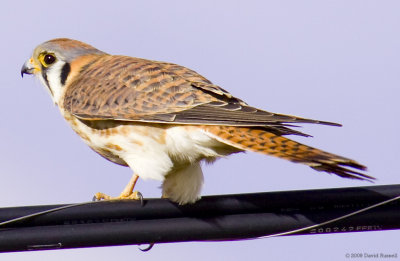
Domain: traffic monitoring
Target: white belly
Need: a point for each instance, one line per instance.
(152, 151)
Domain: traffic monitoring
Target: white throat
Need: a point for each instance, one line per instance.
(54, 81)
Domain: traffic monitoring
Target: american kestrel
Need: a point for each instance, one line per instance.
(162, 119)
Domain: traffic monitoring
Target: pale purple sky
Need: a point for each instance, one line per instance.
(329, 60)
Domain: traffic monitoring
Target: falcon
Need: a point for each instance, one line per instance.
(163, 120)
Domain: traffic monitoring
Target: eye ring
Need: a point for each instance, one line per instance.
(49, 59)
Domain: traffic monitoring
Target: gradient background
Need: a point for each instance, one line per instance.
(329, 60)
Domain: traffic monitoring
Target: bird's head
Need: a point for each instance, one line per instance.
(51, 62)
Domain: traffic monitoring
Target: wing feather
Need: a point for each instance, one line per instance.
(131, 89)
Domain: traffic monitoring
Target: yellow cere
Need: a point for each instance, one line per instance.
(35, 65)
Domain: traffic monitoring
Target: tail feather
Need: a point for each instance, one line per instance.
(261, 141)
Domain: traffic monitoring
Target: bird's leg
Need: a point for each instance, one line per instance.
(127, 193)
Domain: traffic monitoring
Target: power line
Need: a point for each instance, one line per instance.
(227, 217)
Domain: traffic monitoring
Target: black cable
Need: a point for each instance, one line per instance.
(228, 217)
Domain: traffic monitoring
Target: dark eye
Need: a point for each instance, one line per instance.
(49, 59)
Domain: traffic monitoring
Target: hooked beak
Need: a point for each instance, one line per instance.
(27, 68)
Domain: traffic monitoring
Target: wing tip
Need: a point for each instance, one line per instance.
(328, 123)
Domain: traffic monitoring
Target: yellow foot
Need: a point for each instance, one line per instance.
(134, 195)
(127, 193)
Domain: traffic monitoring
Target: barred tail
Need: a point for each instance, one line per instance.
(262, 141)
